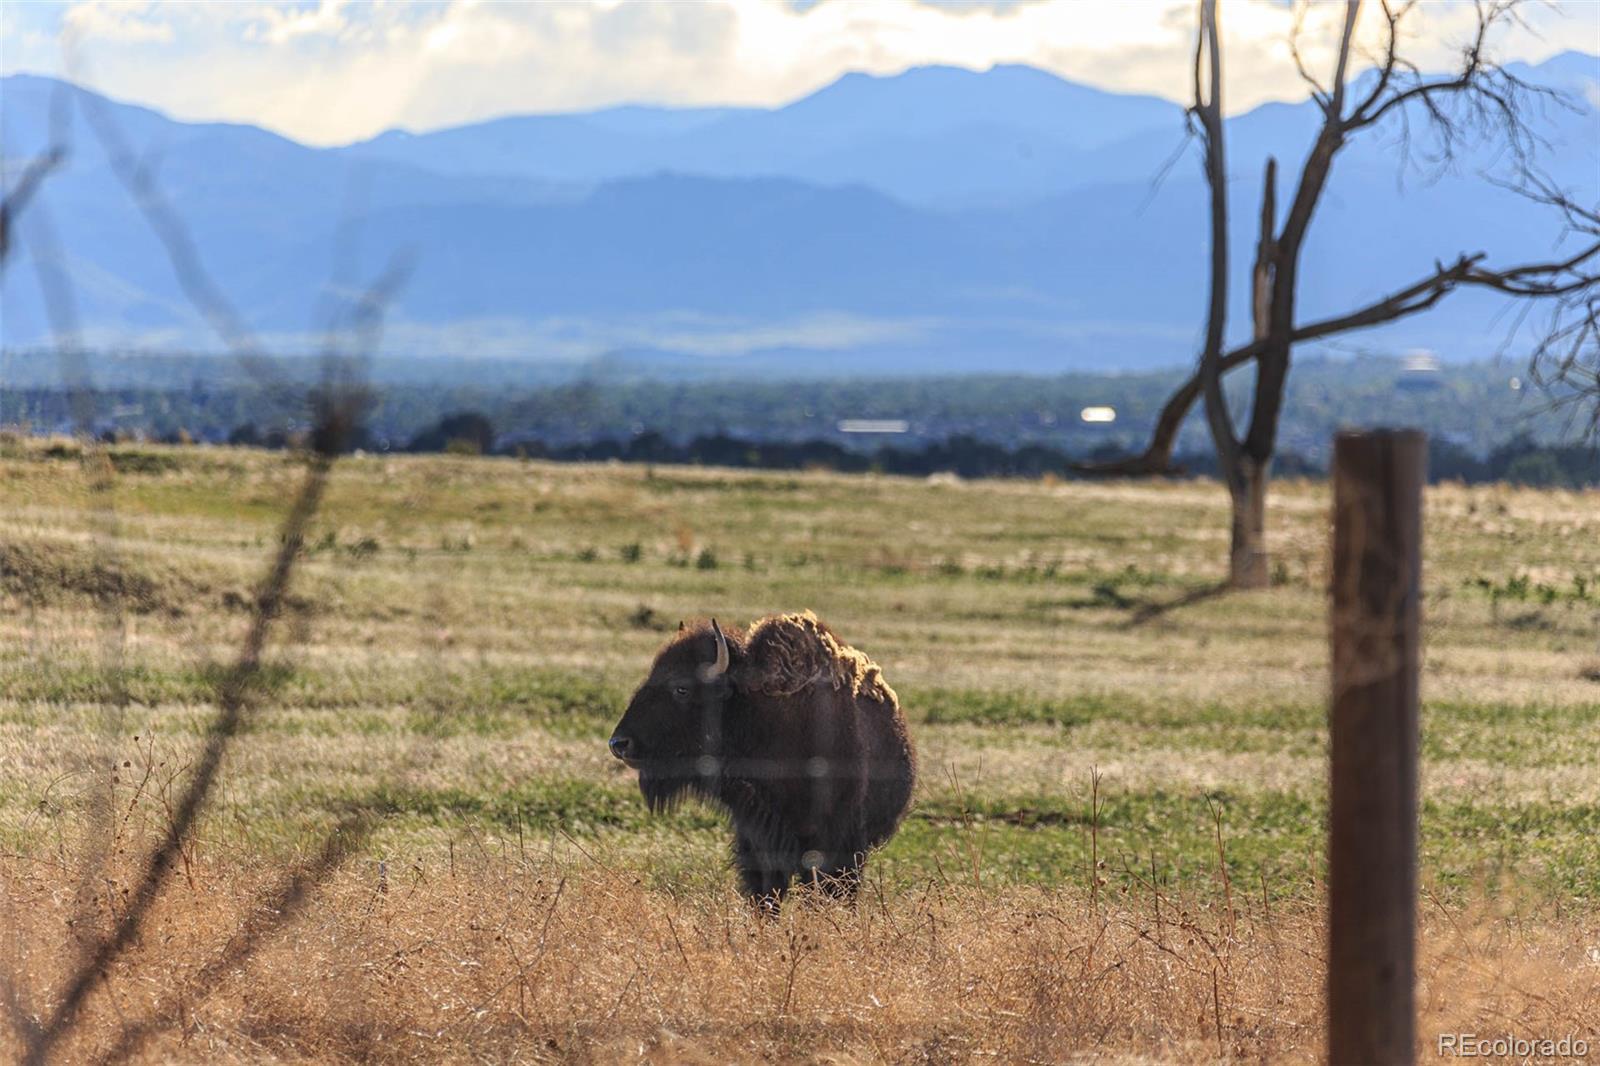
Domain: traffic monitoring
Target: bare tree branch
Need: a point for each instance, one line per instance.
(1480, 96)
(1552, 280)
(61, 309)
(1266, 253)
(203, 293)
(1318, 93)
(338, 406)
(338, 409)
(1565, 360)
(1208, 110)
(235, 697)
(16, 200)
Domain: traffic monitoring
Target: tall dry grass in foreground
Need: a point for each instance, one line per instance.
(551, 955)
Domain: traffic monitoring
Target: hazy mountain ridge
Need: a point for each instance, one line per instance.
(1009, 132)
(805, 234)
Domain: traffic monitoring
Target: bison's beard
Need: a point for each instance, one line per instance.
(665, 786)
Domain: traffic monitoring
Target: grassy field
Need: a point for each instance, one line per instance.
(462, 635)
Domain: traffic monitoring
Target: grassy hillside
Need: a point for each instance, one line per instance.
(463, 634)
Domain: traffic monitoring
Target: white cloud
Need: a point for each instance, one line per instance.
(332, 71)
(128, 24)
(285, 24)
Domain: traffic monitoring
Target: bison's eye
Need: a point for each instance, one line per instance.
(680, 692)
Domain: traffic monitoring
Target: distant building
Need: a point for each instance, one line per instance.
(873, 425)
(1419, 371)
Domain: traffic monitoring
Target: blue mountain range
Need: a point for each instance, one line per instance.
(938, 220)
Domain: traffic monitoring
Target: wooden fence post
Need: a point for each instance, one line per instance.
(1373, 725)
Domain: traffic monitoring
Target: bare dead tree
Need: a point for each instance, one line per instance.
(1479, 101)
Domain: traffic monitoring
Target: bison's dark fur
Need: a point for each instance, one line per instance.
(799, 738)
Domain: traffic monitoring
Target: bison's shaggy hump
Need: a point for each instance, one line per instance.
(788, 653)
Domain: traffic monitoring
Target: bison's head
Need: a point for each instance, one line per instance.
(672, 730)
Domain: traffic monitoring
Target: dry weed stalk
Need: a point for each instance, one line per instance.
(337, 407)
(234, 700)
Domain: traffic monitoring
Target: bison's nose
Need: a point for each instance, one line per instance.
(621, 747)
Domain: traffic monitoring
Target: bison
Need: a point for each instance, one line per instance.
(795, 733)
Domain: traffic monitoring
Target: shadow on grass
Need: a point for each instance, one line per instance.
(1152, 611)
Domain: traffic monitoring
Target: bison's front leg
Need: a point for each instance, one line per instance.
(764, 874)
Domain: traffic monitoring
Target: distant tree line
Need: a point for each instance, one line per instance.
(1475, 405)
(1519, 461)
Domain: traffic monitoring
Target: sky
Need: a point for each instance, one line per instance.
(330, 71)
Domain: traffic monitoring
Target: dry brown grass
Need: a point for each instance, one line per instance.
(551, 955)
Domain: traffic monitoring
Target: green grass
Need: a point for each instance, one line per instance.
(465, 633)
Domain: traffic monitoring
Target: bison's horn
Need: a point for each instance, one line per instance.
(720, 667)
